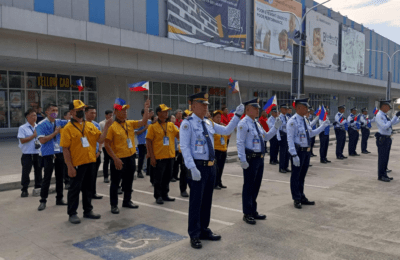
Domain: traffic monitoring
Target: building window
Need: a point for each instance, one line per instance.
(3, 100)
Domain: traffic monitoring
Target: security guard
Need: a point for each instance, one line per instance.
(251, 150)
(354, 127)
(221, 147)
(120, 145)
(313, 122)
(282, 138)
(384, 138)
(299, 141)
(365, 130)
(324, 142)
(197, 136)
(160, 140)
(78, 140)
(274, 145)
(341, 127)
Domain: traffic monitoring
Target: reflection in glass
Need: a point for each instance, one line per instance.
(156, 88)
(166, 89)
(182, 103)
(48, 81)
(166, 101)
(49, 97)
(15, 79)
(3, 108)
(90, 84)
(3, 79)
(182, 89)
(174, 89)
(156, 100)
(189, 90)
(174, 103)
(17, 108)
(32, 80)
(64, 98)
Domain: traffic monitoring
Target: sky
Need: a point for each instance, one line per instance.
(380, 15)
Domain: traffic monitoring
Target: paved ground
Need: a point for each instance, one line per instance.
(356, 217)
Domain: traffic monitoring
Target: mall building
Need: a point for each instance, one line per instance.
(47, 45)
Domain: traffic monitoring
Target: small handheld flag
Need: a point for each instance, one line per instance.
(375, 110)
(318, 111)
(79, 84)
(140, 86)
(272, 102)
(294, 104)
(322, 114)
(341, 119)
(233, 85)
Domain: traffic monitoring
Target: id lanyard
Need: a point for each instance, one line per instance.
(166, 138)
(84, 140)
(128, 140)
(56, 146)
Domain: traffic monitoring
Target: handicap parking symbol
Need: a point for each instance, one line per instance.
(129, 243)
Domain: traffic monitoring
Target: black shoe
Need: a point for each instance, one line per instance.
(61, 203)
(356, 154)
(140, 175)
(390, 178)
(67, 186)
(327, 161)
(259, 216)
(222, 186)
(272, 163)
(184, 194)
(106, 180)
(297, 204)
(352, 154)
(42, 206)
(384, 179)
(91, 215)
(282, 171)
(287, 170)
(210, 236)
(159, 201)
(367, 151)
(120, 191)
(74, 219)
(173, 180)
(323, 161)
(277, 161)
(344, 157)
(249, 219)
(364, 152)
(114, 210)
(310, 165)
(24, 194)
(196, 243)
(97, 197)
(307, 202)
(340, 158)
(130, 205)
(387, 170)
(168, 199)
(217, 187)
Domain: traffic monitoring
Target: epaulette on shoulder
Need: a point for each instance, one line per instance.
(189, 118)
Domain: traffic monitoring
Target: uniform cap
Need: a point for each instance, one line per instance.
(311, 108)
(201, 97)
(284, 106)
(76, 104)
(216, 112)
(162, 108)
(343, 106)
(303, 101)
(354, 108)
(253, 103)
(364, 109)
(385, 102)
(274, 109)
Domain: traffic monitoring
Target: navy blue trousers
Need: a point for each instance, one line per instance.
(340, 141)
(283, 152)
(298, 175)
(274, 149)
(353, 140)
(251, 186)
(384, 145)
(364, 138)
(324, 143)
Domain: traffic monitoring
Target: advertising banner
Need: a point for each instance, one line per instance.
(322, 47)
(273, 31)
(353, 51)
(216, 23)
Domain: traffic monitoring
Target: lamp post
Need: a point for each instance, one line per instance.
(301, 38)
(389, 82)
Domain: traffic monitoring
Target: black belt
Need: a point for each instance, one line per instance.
(205, 163)
(254, 155)
(302, 149)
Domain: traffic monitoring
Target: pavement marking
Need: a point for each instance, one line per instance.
(334, 168)
(287, 182)
(171, 210)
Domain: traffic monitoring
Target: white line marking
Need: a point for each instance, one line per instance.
(332, 168)
(308, 185)
(171, 210)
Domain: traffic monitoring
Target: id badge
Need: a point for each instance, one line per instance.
(256, 144)
(129, 142)
(199, 147)
(222, 141)
(56, 147)
(166, 141)
(302, 136)
(85, 142)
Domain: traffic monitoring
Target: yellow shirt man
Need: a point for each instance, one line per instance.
(157, 133)
(118, 134)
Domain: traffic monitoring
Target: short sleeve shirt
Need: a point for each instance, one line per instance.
(156, 133)
(45, 128)
(118, 134)
(25, 131)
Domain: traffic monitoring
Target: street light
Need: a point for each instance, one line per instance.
(301, 38)
(389, 83)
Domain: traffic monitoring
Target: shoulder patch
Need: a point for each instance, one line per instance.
(291, 124)
(189, 118)
(185, 127)
(240, 127)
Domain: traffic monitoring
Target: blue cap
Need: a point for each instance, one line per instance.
(303, 101)
(201, 97)
(274, 109)
(364, 109)
(311, 108)
(253, 102)
(354, 108)
(284, 105)
(343, 106)
(385, 102)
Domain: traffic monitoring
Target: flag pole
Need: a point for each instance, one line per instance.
(240, 97)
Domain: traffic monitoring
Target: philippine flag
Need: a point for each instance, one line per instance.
(322, 113)
(233, 85)
(318, 112)
(341, 119)
(375, 110)
(272, 102)
(140, 86)
(119, 103)
(79, 84)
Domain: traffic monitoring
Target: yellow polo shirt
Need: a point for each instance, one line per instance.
(71, 138)
(217, 143)
(156, 134)
(118, 137)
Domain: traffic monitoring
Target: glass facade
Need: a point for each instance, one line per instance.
(20, 91)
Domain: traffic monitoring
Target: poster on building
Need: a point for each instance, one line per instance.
(322, 44)
(215, 23)
(274, 32)
(353, 51)
(15, 99)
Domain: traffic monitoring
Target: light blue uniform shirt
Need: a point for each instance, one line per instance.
(192, 130)
(296, 133)
(384, 123)
(247, 135)
(45, 128)
(142, 137)
(337, 120)
(354, 124)
(25, 131)
(313, 121)
(366, 121)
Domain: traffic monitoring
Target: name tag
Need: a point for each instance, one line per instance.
(199, 146)
(256, 144)
(85, 142)
(302, 136)
(166, 141)
(129, 142)
(222, 141)
(56, 147)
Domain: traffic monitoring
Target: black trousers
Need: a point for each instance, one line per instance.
(162, 174)
(353, 140)
(183, 177)
(177, 163)
(126, 173)
(274, 150)
(50, 164)
(98, 162)
(340, 141)
(81, 182)
(251, 185)
(220, 157)
(298, 175)
(283, 152)
(106, 162)
(142, 155)
(200, 200)
(384, 145)
(365, 132)
(28, 161)
(65, 173)
(323, 145)
(312, 144)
